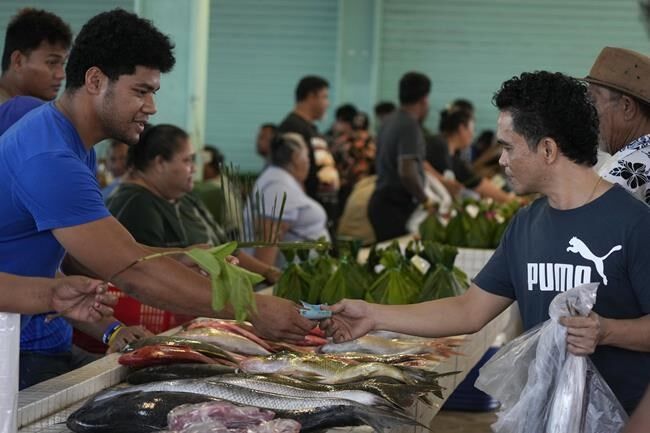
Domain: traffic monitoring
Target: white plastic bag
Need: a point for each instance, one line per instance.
(543, 388)
(436, 191)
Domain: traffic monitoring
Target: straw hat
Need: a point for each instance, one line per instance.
(624, 70)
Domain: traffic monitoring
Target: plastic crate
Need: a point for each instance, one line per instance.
(132, 312)
(466, 397)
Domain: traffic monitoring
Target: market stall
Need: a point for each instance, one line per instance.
(46, 406)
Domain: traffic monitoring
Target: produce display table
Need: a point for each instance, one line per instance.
(45, 407)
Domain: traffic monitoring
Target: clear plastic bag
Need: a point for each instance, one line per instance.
(543, 388)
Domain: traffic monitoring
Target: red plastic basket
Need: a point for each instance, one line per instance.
(132, 312)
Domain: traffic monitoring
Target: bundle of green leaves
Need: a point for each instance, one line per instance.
(471, 224)
(294, 281)
(230, 283)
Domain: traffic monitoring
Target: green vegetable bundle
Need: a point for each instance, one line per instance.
(398, 283)
(473, 224)
(230, 283)
(294, 281)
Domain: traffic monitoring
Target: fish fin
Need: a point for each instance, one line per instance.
(380, 419)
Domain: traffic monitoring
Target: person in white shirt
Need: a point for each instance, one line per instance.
(303, 218)
(619, 83)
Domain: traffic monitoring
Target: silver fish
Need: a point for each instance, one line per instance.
(385, 346)
(226, 340)
(322, 369)
(281, 404)
(260, 383)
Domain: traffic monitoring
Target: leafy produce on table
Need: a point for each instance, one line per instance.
(471, 224)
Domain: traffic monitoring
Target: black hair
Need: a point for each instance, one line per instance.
(216, 157)
(452, 119)
(361, 121)
(546, 104)
(413, 86)
(283, 146)
(484, 140)
(384, 107)
(113, 143)
(346, 113)
(29, 28)
(462, 104)
(308, 85)
(160, 140)
(116, 42)
(272, 126)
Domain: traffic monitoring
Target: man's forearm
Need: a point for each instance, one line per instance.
(412, 183)
(465, 314)
(630, 334)
(95, 329)
(25, 295)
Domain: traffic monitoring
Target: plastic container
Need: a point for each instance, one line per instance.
(466, 397)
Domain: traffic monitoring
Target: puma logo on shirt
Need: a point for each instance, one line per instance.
(579, 247)
(559, 277)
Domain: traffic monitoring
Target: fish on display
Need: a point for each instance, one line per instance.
(153, 355)
(138, 412)
(177, 371)
(384, 346)
(312, 413)
(324, 369)
(200, 346)
(261, 383)
(226, 340)
(395, 392)
(234, 328)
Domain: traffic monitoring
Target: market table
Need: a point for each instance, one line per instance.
(45, 407)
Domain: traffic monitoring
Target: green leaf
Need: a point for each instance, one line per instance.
(220, 252)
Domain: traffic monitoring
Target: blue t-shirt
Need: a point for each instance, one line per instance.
(546, 251)
(47, 182)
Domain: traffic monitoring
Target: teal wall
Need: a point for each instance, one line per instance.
(469, 47)
(239, 60)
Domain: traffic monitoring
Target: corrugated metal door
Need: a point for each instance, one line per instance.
(258, 52)
(469, 47)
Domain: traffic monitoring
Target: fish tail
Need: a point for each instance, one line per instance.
(380, 419)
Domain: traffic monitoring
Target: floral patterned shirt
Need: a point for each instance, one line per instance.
(630, 168)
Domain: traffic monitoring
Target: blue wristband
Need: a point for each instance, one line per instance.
(110, 330)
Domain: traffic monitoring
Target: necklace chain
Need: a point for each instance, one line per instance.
(593, 191)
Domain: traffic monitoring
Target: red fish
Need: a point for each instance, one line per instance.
(159, 354)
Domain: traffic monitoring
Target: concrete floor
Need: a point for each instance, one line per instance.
(448, 421)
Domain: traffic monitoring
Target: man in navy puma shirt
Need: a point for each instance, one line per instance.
(583, 230)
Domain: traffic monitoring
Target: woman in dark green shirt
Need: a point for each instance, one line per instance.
(155, 203)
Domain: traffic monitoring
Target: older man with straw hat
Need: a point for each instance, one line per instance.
(619, 82)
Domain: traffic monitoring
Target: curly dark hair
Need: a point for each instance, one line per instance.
(29, 28)
(116, 42)
(547, 104)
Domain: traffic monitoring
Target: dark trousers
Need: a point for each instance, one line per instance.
(389, 211)
(36, 367)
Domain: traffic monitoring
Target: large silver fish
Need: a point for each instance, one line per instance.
(281, 404)
(226, 340)
(260, 383)
(322, 369)
(146, 412)
(378, 345)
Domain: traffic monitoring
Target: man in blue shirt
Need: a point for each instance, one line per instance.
(50, 201)
(582, 230)
(36, 46)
